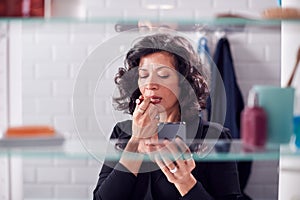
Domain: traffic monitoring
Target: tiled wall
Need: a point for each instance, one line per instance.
(3, 79)
(3, 108)
(52, 57)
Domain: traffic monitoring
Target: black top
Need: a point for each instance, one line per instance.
(215, 180)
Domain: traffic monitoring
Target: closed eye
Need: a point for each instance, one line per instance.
(143, 73)
(143, 76)
(164, 76)
(163, 72)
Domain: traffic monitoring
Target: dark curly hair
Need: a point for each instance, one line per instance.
(186, 61)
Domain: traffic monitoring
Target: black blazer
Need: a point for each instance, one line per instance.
(215, 180)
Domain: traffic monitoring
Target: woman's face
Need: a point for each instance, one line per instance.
(159, 81)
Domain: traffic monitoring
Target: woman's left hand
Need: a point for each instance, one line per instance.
(176, 162)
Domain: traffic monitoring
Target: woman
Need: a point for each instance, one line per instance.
(153, 88)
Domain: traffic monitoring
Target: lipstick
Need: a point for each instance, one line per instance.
(155, 99)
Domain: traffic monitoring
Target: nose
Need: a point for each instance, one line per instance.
(151, 82)
(151, 86)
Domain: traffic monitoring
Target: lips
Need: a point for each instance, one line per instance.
(155, 99)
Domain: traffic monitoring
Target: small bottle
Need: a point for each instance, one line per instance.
(253, 124)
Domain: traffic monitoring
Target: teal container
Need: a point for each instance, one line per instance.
(279, 106)
(297, 130)
(279, 2)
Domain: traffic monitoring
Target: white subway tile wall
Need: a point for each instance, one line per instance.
(4, 177)
(52, 57)
(3, 76)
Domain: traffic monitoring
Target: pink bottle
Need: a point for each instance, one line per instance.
(253, 124)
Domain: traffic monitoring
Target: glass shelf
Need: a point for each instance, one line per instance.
(160, 19)
(228, 24)
(100, 150)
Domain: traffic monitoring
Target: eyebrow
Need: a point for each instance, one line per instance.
(141, 69)
(158, 68)
(161, 67)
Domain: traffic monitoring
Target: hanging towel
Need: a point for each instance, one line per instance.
(234, 102)
(202, 46)
(206, 61)
(203, 51)
(233, 96)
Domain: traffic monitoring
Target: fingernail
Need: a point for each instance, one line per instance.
(166, 140)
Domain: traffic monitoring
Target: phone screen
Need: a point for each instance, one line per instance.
(170, 130)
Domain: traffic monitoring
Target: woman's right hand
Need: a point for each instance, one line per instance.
(144, 128)
(145, 119)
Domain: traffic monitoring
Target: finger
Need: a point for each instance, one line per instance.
(187, 156)
(174, 149)
(154, 148)
(158, 144)
(154, 140)
(151, 141)
(141, 108)
(168, 160)
(139, 100)
(163, 167)
(160, 163)
(145, 103)
(184, 148)
(153, 112)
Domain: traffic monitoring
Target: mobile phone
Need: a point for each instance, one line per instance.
(169, 130)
